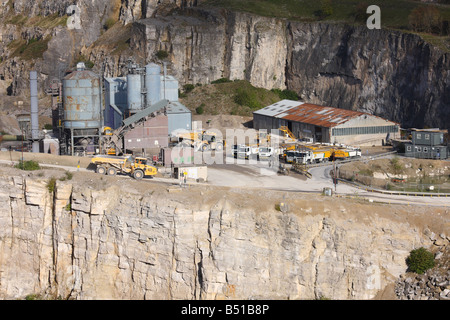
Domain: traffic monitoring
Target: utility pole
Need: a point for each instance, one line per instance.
(335, 174)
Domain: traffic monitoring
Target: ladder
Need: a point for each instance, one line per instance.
(288, 132)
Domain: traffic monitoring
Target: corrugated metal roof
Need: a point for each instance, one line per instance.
(320, 116)
(281, 107)
(81, 75)
(176, 107)
(313, 114)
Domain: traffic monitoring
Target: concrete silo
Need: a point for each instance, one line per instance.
(153, 83)
(82, 111)
(134, 89)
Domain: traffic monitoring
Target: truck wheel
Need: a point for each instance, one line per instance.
(111, 172)
(138, 174)
(101, 170)
(219, 147)
(205, 147)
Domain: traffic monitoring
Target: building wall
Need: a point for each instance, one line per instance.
(426, 152)
(428, 138)
(305, 130)
(364, 130)
(153, 133)
(179, 121)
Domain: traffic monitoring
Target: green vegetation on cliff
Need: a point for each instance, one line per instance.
(237, 97)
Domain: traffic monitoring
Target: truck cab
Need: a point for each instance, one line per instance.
(141, 168)
(265, 153)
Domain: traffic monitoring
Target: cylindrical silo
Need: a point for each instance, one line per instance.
(134, 92)
(153, 83)
(81, 97)
(34, 111)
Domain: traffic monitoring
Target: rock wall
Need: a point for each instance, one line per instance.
(388, 73)
(87, 242)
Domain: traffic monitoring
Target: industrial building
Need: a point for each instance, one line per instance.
(314, 123)
(427, 144)
(140, 89)
(84, 104)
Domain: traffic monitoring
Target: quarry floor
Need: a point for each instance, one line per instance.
(237, 173)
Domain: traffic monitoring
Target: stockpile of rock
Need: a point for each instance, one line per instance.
(434, 284)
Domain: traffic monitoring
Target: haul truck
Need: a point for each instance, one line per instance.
(308, 156)
(111, 165)
(345, 154)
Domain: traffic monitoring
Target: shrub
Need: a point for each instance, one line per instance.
(396, 165)
(326, 9)
(360, 12)
(109, 23)
(221, 80)
(162, 54)
(51, 185)
(200, 109)
(88, 63)
(28, 165)
(426, 19)
(68, 176)
(420, 260)
(188, 87)
(286, 94)
(247, 98)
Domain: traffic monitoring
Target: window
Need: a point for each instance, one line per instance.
(418, 136)
(364, 130)
(427, 136)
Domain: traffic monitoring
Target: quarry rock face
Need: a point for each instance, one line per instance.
(391, 74)
(105, 243)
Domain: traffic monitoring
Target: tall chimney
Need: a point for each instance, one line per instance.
(34, 112)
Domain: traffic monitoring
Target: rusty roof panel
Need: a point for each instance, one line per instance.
(320, 116)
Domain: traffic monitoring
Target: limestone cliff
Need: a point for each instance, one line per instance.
(85, 240)
(389, 73)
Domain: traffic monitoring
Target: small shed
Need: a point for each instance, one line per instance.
(179, 117)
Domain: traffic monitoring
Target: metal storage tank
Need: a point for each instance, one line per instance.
(134, 92)
(82, 99)
(153, 83)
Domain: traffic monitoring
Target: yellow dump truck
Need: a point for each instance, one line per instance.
(112, 165)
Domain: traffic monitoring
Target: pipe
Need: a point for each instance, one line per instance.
(8, 137)
(34, 112)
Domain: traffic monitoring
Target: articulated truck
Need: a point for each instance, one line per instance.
(112, 165)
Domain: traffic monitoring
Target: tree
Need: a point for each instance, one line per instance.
(420, 260)
(360, 13)
(426, 19)
(326, 9)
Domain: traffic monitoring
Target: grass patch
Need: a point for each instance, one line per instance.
(224, 96)
(29, 50)
(28, 165)
(393, 13)
(44, 22)
(68, 176)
